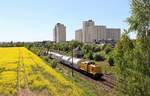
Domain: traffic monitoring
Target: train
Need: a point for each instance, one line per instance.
(84, 66)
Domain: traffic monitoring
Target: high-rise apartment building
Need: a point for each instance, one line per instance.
(79, 35)
(59, 33)
(91, 32)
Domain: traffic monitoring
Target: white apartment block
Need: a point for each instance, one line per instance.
(91, 32)
(59, 33)
(78, 35)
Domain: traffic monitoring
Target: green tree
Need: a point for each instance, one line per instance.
(132, 58)
(89, 55)
(139, 21)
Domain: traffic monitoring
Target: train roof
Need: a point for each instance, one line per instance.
(89, 62)
(75, 60)
(56, 54)
(66, 58)
(93, 65)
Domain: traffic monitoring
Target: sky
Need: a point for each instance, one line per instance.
(34, 20)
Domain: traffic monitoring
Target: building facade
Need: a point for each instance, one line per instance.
(59, 33)
(113, 34)
(79, 35)
(100, 32)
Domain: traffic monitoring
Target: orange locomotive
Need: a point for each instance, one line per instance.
(91, 68)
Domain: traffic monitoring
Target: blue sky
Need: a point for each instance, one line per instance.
(34, 20)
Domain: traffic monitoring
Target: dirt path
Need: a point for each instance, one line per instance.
(18, 73)
(26, 90)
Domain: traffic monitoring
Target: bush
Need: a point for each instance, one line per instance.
(97, 49)
(46, 58)
(107, 49)
(110, 61)
(54, 64)
(98, 57)
(103, 47)
(89, 55)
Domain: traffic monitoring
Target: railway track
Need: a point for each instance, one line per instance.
(104, 82)
(107, 81)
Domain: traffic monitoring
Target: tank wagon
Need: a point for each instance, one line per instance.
(86, 66)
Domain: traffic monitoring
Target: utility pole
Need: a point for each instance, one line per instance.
(72, 61)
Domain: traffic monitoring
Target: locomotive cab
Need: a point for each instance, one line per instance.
(91, 68)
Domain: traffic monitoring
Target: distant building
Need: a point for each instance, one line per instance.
(89, 33)
(79, 35)
(101, 32)
(113, 34)
(59, 33)
(93, 33)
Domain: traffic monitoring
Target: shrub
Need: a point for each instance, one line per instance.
(98, 57)
(54, 63)
(110, 61)
(107, 49)
(89, 55)
(97, 49)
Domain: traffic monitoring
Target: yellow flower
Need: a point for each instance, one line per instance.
(20, 68)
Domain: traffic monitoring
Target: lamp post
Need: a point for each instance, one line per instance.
(72, 61)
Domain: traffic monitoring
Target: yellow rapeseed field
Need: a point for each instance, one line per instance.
(24, 73)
